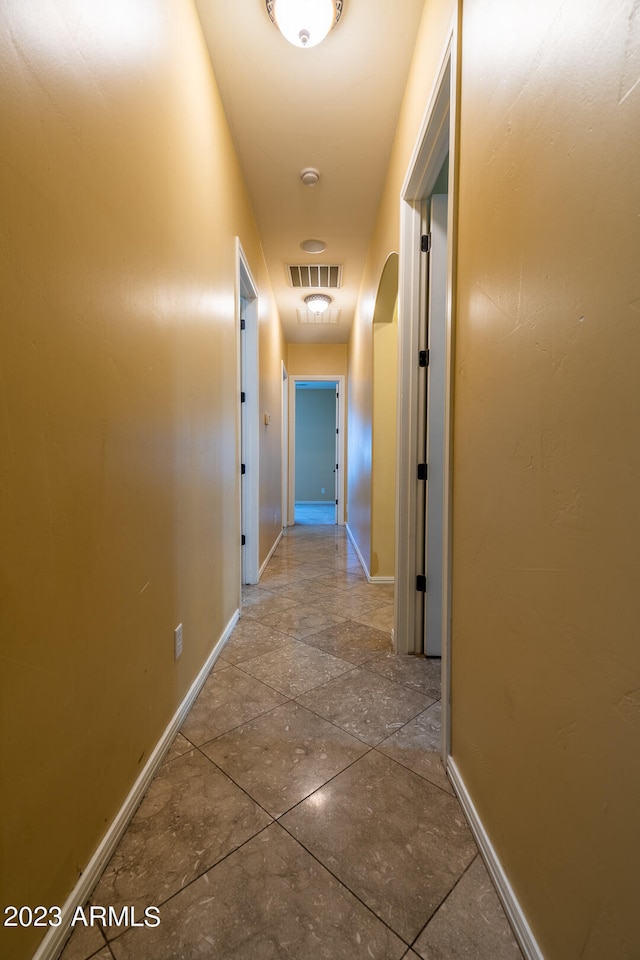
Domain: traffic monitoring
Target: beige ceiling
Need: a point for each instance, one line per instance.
(333, 107)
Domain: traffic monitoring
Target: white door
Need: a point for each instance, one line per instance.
(435, 425)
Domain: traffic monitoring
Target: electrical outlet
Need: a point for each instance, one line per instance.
(323, 490)
(177, 641)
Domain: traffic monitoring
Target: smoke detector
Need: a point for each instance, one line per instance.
(310, 176)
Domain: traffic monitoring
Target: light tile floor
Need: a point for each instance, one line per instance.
(303, 810)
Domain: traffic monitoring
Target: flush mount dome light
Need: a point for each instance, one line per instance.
(304, 23)
(317, 302)
(313, 246)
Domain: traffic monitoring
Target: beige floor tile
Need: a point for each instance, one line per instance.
(282, 757)
(179, 747)
(301, 622)
(191, 816)
(268, 900)
(295, 668)
(271, 602)
(365, 705)
(381, 618)
(418, 745)
(351, 641)
(396, 841)
(84, 943)
(470, 924)
(417, 673)
(226, 700)
(251, 639)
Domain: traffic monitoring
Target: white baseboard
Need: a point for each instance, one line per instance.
(54, 940)
(363, 564)
(270, 554)
(510, 902)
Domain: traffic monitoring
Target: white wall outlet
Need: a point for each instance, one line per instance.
(177, 641)
(323, 490)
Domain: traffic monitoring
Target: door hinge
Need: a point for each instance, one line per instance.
(336, 503)
(423, 358)
(421, 583)
(243, 468)
(243, 541)
(422, 471)
(337, 431)
(336, 466)
(243, 323)
(425, 243)
(243, 396)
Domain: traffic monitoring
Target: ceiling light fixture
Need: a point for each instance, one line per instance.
(313, 246)
(304, 23)
(317, 302)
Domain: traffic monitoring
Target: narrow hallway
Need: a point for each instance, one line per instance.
(303, 810)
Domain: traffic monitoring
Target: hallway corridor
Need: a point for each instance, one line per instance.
(303, 811)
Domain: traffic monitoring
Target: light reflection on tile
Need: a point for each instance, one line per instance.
(282, 757)
(376, 823)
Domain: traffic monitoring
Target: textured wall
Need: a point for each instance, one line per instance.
(546, 669)
(119, 503)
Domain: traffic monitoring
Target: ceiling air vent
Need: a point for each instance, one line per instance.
(324, 276)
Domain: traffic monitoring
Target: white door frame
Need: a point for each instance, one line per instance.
(325, 378)
(285, 446)
(437, 137)
(248, 416)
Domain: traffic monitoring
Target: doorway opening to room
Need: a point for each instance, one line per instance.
(316, 436)
(425, 348)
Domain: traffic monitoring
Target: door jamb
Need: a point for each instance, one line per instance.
(437, 136)
(329, 377)
(250, 517)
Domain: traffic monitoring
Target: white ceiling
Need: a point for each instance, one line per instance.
(333, 107)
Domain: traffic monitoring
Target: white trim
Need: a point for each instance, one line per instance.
(363, 564)
(54, 940)
(438, 134)
(284, 419)
(316, 503)
(340, 379)
(270, 554)
(249, 415)
(513, 909)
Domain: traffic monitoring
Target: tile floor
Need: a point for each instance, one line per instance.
(303, 810)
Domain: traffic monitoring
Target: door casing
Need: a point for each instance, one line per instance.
(340, 380)
(436, 139)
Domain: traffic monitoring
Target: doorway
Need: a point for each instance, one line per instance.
(316, 449)
(425, 351)
(247, 324)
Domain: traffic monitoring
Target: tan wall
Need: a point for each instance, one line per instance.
(430, 40)
(317, 359)
(121, 198)
(546, 669)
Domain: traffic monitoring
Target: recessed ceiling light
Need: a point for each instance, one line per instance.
(313, 246)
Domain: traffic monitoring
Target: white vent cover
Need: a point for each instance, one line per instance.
(327, 316)
(320, 276)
